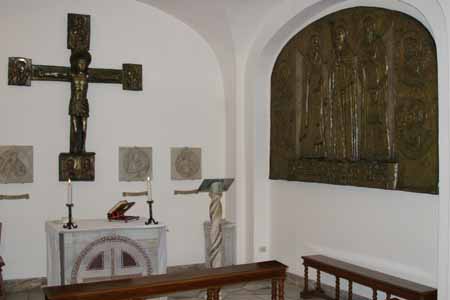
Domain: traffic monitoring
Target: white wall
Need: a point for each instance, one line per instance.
(182, 105)
(207, 18)
(401, 233)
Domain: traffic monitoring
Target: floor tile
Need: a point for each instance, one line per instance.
(17, 296)
(36, 295)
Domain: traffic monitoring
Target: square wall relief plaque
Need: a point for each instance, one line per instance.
(16, 164)
(186, 163)
(135, 163)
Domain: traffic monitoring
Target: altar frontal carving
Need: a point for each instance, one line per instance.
(354, 101)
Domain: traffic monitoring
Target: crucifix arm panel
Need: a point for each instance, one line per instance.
(21, 72)
(97, 75)
(50, 73)
(130, 76)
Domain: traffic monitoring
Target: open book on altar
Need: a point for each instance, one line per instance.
(117, 212)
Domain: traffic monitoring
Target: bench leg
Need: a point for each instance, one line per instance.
(338, 288)
(281, 289)
(374, 296)
(305, 288)
(274, 289)
(316, 292)
(2, 285)
(278, 289)
(350, 290)
(318, 287)
(212, 294)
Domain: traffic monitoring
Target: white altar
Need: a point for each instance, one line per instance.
(101, 250)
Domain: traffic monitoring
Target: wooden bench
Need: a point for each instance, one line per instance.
(2, 264)
(354, 274)
(157, 285)
(2, 285)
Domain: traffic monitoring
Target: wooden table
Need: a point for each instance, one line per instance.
(378, 281)
(156, 285)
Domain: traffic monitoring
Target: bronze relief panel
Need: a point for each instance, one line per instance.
(354, 102)
(132, 77)
(19, 71)
(78, 32)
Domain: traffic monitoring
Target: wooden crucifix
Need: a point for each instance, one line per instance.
(78, 165)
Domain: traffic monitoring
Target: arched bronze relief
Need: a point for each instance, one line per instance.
(354, 101)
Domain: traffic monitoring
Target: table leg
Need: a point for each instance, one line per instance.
(388, 296)
(374, 296)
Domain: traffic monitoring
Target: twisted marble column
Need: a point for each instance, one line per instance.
(215, 216)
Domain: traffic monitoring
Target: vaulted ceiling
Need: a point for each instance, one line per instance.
(222, 23)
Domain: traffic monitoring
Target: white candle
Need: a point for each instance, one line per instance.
(69, 192)
(149, 189)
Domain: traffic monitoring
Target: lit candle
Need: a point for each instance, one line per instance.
(149, 189)
(69, 192)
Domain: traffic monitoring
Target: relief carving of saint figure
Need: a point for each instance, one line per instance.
(343, 99)
(79, 32)
(11, 165)
(19, 71)
(312, 134)
(416, 59)
(79, 105)
(415, 136)
(373, 71)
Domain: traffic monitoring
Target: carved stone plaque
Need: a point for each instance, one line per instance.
(16, 164)
(186, 163)
(135, 163)
(354, 102)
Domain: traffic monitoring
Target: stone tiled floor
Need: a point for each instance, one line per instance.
(260, 290)
(30, 295)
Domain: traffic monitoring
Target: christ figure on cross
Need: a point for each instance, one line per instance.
(79, 105)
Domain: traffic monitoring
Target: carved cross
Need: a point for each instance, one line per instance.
(78, 165)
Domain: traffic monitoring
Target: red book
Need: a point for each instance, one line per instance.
(117, 212)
